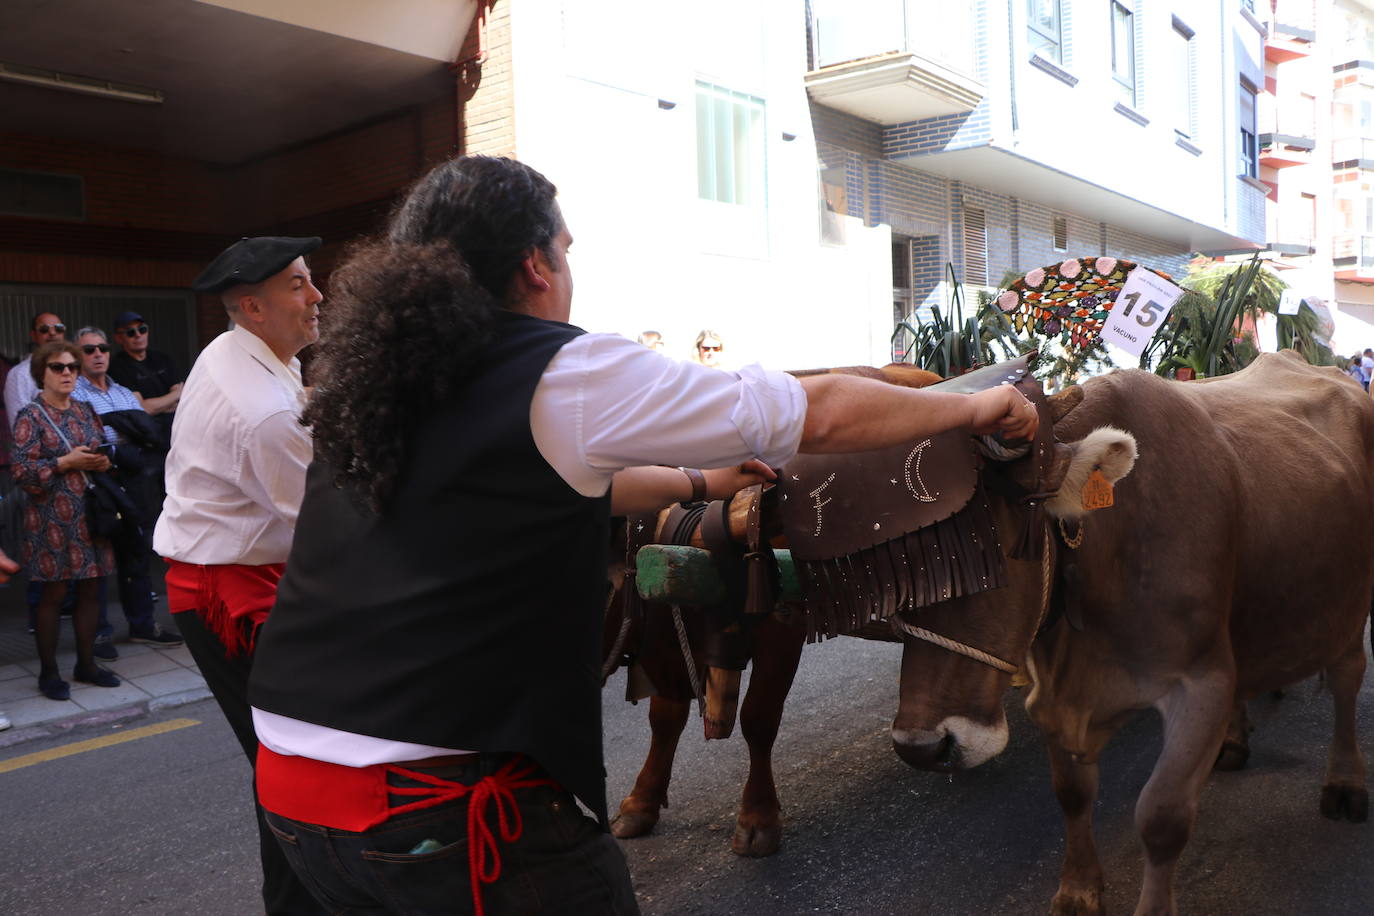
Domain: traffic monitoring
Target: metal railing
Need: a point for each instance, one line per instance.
(1352, 148)
(1358, 247)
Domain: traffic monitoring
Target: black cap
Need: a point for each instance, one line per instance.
(252, 261)
(124, 318)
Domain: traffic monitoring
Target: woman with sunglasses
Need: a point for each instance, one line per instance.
(56, 441)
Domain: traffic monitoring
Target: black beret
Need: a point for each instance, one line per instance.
(252, 261)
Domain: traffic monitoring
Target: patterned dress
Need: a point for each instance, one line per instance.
(57, 543)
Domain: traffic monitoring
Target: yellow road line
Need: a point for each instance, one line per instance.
(80, 747)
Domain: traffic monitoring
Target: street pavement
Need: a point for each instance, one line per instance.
(152, 678)
(148, 813)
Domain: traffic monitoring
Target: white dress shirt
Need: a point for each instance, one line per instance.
(236, 469)
(19, 389)
(603, 404)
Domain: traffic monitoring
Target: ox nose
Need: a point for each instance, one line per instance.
(926, 750)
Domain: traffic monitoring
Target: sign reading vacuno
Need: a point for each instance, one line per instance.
(1141, 307)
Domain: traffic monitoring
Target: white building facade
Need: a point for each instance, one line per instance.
(796, 176)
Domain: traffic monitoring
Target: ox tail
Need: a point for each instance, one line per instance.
(1106, 449)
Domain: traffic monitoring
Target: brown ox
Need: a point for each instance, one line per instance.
(1225, 568)
(774, 644)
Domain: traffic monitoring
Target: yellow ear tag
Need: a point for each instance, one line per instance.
(1097, 492)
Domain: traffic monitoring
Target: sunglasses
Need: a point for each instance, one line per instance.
(88, 349)
(709, 349)
(63, 368)
(135, 330)
(45, 328)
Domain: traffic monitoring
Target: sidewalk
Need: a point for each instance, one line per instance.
(152, 678)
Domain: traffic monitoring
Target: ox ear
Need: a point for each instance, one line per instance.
(1107, 449)
(1064, 401)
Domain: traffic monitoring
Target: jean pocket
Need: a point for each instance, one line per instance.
(290, 844)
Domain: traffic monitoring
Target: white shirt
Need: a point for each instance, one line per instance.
(605, 403)
(19, 389)
(1366, 370)
(236, 469)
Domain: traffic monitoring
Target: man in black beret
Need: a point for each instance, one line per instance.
(235, 478)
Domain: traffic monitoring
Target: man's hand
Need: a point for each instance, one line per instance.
(1006, 411)
(724, 482)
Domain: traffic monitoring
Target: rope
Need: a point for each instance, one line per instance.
(1073, 543)
(995, 450)
(958, 648)
(687, 658)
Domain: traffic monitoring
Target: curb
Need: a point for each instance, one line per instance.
(15, 737)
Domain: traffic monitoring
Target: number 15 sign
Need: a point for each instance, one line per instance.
(1140, 310)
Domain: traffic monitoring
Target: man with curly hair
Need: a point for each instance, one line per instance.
(434, 650)
(235, 476)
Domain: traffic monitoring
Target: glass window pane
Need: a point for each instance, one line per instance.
(706, 176)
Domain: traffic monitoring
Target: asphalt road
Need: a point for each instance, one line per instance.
(161, 825)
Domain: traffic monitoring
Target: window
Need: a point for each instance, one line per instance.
(834, 200)
(1123, 51)
(1061, 233)
(975, 247)
(1249, 149)
(42, 195)
(730, 151)
(1185, 80)
(1045, 34)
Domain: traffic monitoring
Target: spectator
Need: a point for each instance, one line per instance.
(19, 387)
(1367, 367)
(55, 443)
(652, 339)
(152, 376)
(707, 350)
(115, 404)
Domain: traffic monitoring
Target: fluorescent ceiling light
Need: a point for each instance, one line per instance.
(85, 85)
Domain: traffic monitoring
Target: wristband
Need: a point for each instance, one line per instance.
(698, 481)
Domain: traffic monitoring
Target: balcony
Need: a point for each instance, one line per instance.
(882, 62)
(1352, 153)
(1353, 258)
(1281, 151)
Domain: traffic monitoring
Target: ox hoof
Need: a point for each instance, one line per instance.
(1234, 755)
(756, 841)
(1350, 803)
(630, 824)
(1077, 904)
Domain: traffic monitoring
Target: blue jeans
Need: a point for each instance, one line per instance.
(563, 863)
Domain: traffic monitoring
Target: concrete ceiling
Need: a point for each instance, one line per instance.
(235, 85)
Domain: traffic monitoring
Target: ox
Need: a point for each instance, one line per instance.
(1224, 569)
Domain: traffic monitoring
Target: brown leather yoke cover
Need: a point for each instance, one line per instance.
(876, 532)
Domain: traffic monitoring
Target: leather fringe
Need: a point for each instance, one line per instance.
(955, 557)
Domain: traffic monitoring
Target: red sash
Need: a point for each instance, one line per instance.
(355, 799)
(227, 597)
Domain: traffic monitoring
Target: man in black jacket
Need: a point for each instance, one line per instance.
(154, 377)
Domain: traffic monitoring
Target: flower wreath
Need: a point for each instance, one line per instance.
(1069, 300)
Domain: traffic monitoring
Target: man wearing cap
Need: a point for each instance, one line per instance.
(235, 478)
(152, 376)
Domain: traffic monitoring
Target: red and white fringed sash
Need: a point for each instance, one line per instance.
(225, 596)
(356, 799)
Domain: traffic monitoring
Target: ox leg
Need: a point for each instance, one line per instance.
(1195, 714)
(777, 649)
(1080, 878)
(1235, 748)
(1344, 794)
(639, 811)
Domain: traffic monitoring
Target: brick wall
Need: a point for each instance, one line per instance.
(931, 135)
(487, 94)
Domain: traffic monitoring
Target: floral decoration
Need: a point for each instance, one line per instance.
(1070, 300)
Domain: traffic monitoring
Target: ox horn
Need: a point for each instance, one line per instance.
(1062, 402)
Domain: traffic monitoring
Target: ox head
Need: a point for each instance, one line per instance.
(950, 714)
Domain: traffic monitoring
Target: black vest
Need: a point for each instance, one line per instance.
(468, 614)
